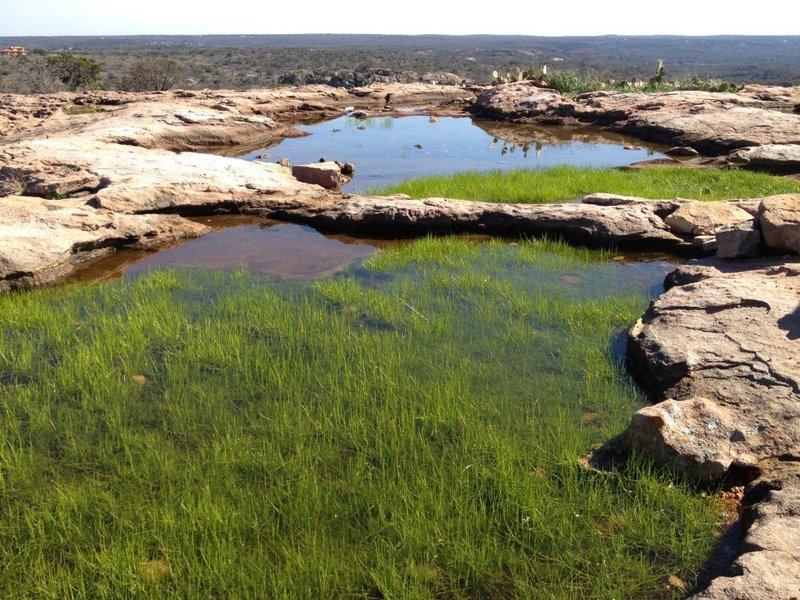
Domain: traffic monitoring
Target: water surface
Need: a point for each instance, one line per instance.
(387, 150)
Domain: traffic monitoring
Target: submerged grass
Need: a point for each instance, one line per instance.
(408, 430)
(569, 183)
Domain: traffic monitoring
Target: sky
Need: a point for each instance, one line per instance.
(571, 17)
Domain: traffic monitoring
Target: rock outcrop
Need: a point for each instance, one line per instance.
(522, 102)
(721, 350)
(768, 567)
(628, 226)
(42, 241)
(729, 333)
(760, 126)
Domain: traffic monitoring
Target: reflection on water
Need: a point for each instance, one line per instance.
(289, 251)
(257, 245)
(388, 150)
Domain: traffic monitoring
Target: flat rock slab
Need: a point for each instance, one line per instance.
(626, 226)
(42, 240)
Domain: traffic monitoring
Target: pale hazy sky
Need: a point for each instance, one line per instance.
(559, 17)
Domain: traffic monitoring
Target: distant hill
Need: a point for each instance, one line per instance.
(249, 60)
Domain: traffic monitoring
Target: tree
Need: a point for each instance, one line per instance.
(75, 72)
(151, 73)
(34, 76)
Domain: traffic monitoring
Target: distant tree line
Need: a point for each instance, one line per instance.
(241, 62)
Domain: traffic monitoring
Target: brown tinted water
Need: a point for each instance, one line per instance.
(258, 245)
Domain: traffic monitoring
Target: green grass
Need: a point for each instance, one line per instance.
(570, 183)
(407, 430)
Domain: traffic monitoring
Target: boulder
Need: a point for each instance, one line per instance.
(705, 218)
(681, 151)
(698, 436)
(326, 174)
(772, 157)
(521, 101)
(740, 241)
(779, 217)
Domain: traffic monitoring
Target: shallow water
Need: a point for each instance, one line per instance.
(298, 252)
(261, 246)
(388, 150)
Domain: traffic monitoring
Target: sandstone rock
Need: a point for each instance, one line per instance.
(709, 122)
(294, 132)
(728, 333)
(785, 98)
(705, 218)
(625, 226)
(740, 241)
(706, 243)
(326, 174)
(43, 240)
(779, 217)
(681, 151)
(773, 157)
(712, 123)
(764, 576)
(699, 437)
(776, 521)
(522, 101)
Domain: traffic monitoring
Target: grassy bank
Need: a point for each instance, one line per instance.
(407, 430)
(569, 183)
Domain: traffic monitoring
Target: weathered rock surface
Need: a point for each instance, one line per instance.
(781, 97)
(729, 334)
(709, 122)
(43, 240)
(628, 226)
(721, 349)
(779, 217)
(130, 179)
(774, 157)
(524, 101)
(769, 568)
(740, 241)
(700, 437)
(712, 123)
(705, 218)
(324, 174)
